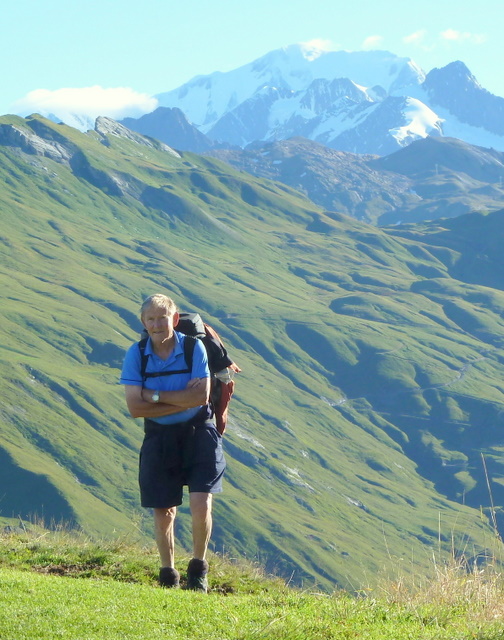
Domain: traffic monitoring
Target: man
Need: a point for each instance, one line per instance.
(181, 446)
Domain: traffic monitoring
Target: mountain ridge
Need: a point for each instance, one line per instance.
(431, 178)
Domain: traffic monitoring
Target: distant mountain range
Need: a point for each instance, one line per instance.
(431, 178)
(434, 177)
(319, 122)
(362, 102)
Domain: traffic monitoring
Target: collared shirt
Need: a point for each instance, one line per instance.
(131, 372)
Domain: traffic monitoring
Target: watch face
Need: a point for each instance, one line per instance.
(155, 396)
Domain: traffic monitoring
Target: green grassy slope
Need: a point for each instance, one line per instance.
(97, 590)
(364, 372)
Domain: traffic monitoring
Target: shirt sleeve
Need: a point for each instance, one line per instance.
(131, 370)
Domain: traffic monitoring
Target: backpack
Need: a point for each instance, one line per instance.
(222, 368)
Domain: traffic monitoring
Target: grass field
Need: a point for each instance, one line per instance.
(56, 586)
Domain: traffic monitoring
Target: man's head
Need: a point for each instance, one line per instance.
(160, 301)
(159, 316)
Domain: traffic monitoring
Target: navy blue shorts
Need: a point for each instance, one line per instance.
(175, 455)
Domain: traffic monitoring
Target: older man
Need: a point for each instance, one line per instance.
(181, 445)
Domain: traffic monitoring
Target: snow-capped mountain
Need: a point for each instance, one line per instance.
(363, 102)
(206, 99)
(360, 102)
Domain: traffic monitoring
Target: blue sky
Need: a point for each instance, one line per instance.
(150, 46)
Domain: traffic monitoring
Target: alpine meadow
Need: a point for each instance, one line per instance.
(365, 432)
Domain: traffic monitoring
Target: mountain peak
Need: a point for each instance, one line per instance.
(300, 51)
(171, 127)
(359, 101)
(453, 73)
(455, 89)
(312, 50)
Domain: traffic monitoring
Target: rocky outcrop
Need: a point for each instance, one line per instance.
(107, 127)
(30, 142)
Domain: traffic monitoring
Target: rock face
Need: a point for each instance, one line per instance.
(337, 180)
(29, 142)
(35, 136)
(107, 126)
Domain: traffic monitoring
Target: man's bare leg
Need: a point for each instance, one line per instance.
(201, 512)
(164, 530)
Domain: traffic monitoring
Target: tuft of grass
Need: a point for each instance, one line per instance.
(477, 592)
(71, 554)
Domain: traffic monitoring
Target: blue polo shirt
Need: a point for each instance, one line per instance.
(131, 372)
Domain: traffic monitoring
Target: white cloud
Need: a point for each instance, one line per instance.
(372, 42)
(422, 40)
(319, 43)
(85, 104)
(315, 48)
(415, 38)
(453, 35)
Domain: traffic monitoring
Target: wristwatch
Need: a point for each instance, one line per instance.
(155, 396)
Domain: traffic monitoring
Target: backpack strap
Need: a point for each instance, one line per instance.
(189, 344)
(143, 358)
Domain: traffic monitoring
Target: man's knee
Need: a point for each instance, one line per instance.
(164, 517)
(201, 503)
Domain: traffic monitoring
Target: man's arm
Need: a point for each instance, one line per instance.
(140, 404)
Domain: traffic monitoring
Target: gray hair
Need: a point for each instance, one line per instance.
(158, 300)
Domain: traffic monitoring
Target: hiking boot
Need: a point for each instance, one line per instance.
(169, 578)
(197, 571)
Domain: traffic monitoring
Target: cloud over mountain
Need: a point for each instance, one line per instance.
(372, 42)
(80, 106)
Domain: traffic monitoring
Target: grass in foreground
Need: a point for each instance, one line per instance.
(113, 594)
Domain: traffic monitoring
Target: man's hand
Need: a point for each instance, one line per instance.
(197, 383)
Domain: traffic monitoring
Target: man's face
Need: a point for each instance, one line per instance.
(159, 323)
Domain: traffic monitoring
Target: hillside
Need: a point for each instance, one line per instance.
(372, 372)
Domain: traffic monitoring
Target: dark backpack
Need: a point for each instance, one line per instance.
(220, 364)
